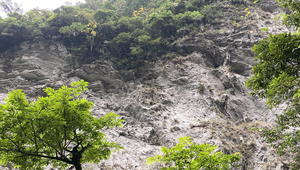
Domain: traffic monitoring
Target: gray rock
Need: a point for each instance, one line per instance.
(199, 93)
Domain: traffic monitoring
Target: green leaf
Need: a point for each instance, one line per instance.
(265, 29)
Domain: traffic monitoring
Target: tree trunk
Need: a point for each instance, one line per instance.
(76, 156)
(78, 166)
(92, 44)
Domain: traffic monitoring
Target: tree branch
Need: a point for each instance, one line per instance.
(34, 133)
(65, 133)
(62, 155)
(66, 160)
(19, 122)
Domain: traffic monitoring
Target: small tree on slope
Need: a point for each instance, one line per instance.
(190, 156)
(58, 129)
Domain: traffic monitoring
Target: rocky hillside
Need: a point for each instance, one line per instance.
(197, 90)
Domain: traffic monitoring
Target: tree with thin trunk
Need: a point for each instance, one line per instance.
(58, 129)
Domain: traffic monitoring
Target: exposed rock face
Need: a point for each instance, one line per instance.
(200, 93)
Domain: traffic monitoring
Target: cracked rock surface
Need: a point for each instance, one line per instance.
(199, 93)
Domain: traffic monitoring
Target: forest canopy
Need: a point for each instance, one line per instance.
(130, 31)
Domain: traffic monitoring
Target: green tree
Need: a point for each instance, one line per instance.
(63, 16)
(73, 29)
(292, 18)
(94, 5)
(121, 44)
(276, 74)
(162, 24)
(13, 31)
(188, 155)
(36, 23)
(58, 129)
(188, 18)
(211, 14)
(129, 24)
(104, 16)
(276, 78)
(132, 5)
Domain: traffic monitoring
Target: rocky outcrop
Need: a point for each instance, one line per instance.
(199, 93)
(169, 99)
(230, 43)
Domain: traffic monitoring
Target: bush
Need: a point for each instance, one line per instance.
(190, 156)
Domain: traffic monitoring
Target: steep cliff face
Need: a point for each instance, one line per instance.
(196, 90)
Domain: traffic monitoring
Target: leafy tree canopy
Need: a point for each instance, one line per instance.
(87, 28)
(58, 129)
(276, 78)
(188, 155)
(293, 14)
(276, 74)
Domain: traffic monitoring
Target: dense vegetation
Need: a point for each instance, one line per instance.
(276, 78)
(58, 129)
(131, 31)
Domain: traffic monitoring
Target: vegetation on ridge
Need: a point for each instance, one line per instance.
(130, 31)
